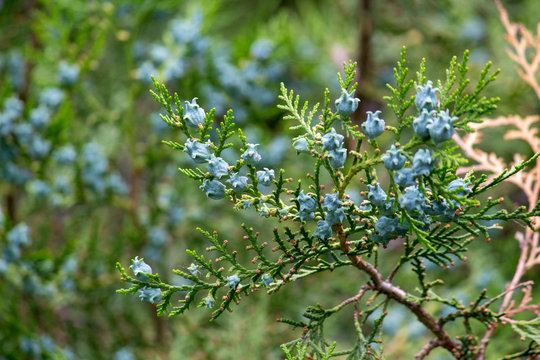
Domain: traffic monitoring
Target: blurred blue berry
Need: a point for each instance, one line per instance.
(265, 177)
(346, 104)
(39, 188)
(40, 116)
(68, 73)
(422, 162)
(51, 97)
(39, 147)
(65, 155)
(115, 183)
(6, 124)
(174, 69)
(159, 53)
(394, 159)
(261, 49)
(145, 72)
(217, 166)
(213, 189)
(13, 108)
(23, 132)
(426, 97)
(193, 114)
(157, 235)
(250, 155)
(373, 126)
(19, 235)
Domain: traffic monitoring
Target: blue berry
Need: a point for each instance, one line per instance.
(194, 269)
(19, 235)
(266, 280)
(301, 145)
(239, 183)
(337, 158)
(412, 199)
(68, 73)
(459, 184)
(40, 116)
(39, 188)
(323, 231)
(306, 202)
(140, 269)
(331, 202)
(146, 71)
(39, 147)
(152, 295)
(332, 140)
(422, 162)
(51, 97)
(217, 166)
(65, 155)
(209, 301)
(421, 122)
(232, 281)
(265, 177)
(213, 189)
(197, 151)
(373, 126)
(441, 129)
(193, 114)
(250, 155)
(426, 97)
(376, 195)
(394, 159)
(13, 108)
(346, 104)
(159, 53)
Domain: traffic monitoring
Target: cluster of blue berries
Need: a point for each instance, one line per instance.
(141, 270)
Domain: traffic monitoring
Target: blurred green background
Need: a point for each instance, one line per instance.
(86, 181)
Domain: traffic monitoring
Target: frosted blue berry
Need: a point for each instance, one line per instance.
(459, 184)
(68, 73)
(323, 231)
(387, 208)
(393, 159)
(13, 108)
(426, 97)
(332, 140)
(239, 183)
(265, 177)
(346, 104)
(404, 177)
(194, 269)
(422, 162)
(213, 189)
(217, 166)
(40, 116)
(250, 155)
(335, 217)
(264, 210)
(209, 301)
(197, 151)
(193, 114)
(412, 199)
(337, 158)
(51, 97)
(442, 129)
(334, 213)
(376, 195)
(140, 269)
(232, 281)
(152, 295)
(421, 122)
(306, 202)
(301, 145)
(387, 228)
(19, 235)
(373, 126)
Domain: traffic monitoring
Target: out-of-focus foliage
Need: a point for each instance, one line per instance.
(85, 180)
